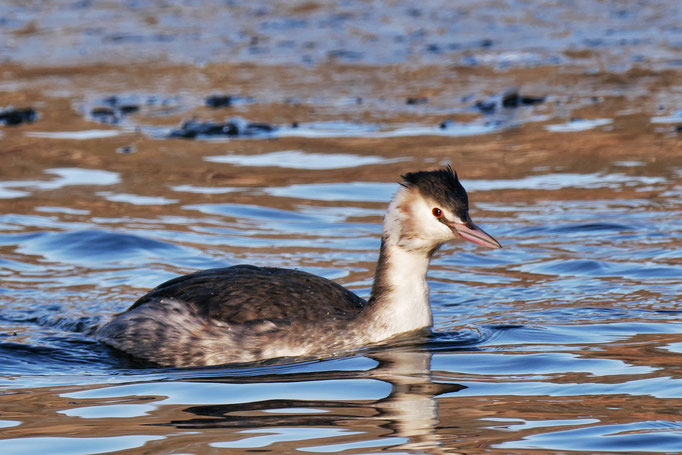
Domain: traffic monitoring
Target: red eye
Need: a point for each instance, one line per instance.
(437, 212)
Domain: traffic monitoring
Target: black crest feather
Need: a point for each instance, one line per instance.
(443, 187)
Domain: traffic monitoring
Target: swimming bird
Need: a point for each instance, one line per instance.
(246, 313)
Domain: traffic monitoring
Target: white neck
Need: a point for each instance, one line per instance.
(400, 296)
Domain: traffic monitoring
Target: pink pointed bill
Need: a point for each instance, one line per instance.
(474, 234)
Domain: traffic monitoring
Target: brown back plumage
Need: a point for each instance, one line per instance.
(245, 293)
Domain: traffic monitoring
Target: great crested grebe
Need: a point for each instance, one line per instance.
(246, 313)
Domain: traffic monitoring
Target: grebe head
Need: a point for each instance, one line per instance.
(430, 209)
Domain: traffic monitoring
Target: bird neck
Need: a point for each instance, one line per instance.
(399, 301)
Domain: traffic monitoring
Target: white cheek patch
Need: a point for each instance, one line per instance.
(435, 227)
(410, 220)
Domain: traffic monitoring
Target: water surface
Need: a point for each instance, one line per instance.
(568, 339)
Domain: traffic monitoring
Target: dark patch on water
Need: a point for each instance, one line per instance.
(507, 100)
(115, 109)
(416, 100)
(12, 117)
(224, 101)
(216, 101)
(194, 129)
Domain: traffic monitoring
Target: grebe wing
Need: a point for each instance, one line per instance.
(244, 294)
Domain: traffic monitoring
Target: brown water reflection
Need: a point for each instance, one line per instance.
(417, 409)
